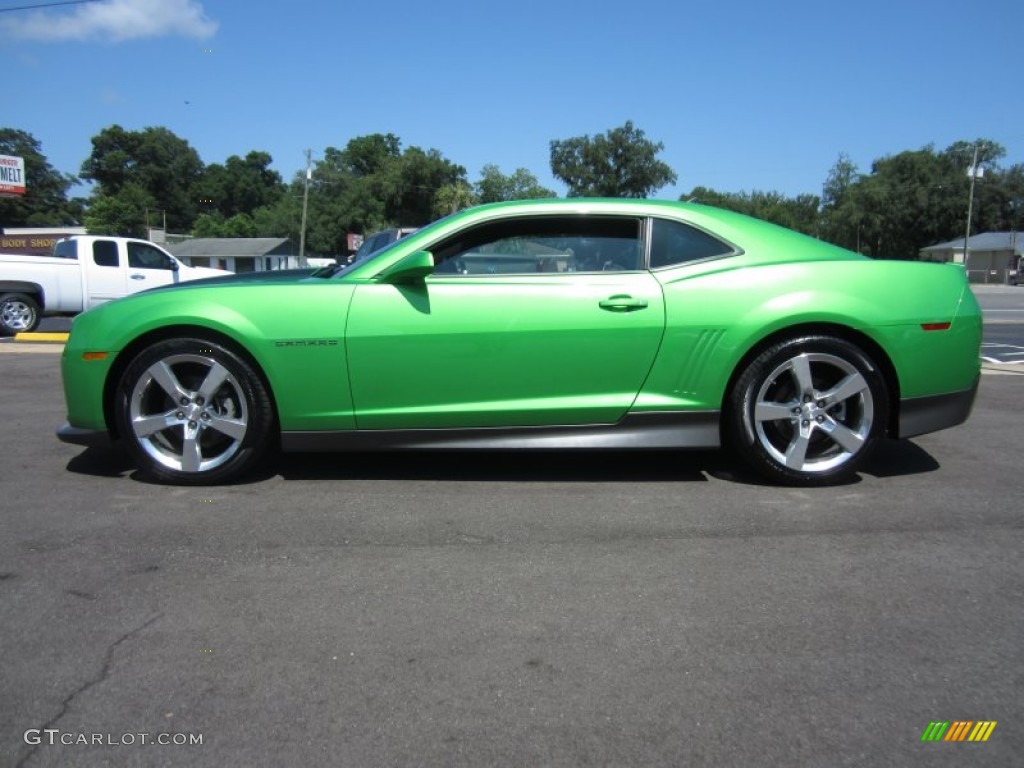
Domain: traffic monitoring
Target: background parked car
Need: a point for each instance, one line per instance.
(379, 240)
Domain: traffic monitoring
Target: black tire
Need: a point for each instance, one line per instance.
(216, 426)
(807, 411)
(19, 313)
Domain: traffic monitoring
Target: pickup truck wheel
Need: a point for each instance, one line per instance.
(193, 412)
(18, 314)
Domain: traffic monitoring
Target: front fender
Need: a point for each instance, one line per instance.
(294, 333)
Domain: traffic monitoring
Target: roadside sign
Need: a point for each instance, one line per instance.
(12, 176)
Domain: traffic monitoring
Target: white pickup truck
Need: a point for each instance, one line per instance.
(84, 271)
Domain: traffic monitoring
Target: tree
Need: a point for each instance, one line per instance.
(153, 160)
(372, 154)
(123, 214)
(240, 185)
(45, 200)
(619, 163)
(496, 187)
(916, 198)
(799, 213)
(453, 198)
(412, 184)
(372, 184)
(208, 225)
(842, 219)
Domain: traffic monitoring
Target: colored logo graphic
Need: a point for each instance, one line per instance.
(959, 730)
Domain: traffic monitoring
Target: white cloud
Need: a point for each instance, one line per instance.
(115, 21)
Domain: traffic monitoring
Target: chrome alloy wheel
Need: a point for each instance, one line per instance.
(188, 413)
(814, 412)
(17, 315)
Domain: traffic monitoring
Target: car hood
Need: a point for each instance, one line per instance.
(271, 276)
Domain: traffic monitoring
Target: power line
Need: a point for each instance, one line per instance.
(47, 5)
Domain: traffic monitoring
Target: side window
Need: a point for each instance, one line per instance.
(142, 256)
(531, 245)
(675, 243)
(104, 253)
(66, 249)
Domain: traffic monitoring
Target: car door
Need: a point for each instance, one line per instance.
(530, 321)
(148, 267)
(103, 270)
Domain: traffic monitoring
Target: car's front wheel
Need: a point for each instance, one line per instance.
(807, 411)
(193, 412)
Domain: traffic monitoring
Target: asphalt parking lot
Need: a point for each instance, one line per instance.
(532, 609)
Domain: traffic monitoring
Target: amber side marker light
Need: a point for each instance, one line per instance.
(935, 326)
(87, 356)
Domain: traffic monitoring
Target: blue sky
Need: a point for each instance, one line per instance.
(744, 95)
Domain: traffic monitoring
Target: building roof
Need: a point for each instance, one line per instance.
(43, 230)
(984, 241)
(227, 246)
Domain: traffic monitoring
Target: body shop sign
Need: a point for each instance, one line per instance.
(12, 176)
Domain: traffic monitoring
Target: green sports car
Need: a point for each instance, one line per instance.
(556, 324)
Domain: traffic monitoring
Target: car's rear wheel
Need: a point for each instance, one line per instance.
(808, 411)
(193, 412)
(18, 314)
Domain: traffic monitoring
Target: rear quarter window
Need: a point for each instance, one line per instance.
(66, 249)
(673, 242)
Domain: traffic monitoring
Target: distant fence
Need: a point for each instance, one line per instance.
(994, 276)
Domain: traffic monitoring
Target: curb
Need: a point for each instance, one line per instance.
(41, 337)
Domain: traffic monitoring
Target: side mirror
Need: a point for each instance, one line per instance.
(412, 269)
(172, 265)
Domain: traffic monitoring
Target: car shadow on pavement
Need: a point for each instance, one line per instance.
(102, 462)
(522, 465)
(892, 458)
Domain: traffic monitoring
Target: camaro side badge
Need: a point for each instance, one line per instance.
(306, 343)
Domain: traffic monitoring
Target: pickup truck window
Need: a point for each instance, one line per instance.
(104, 253)
(142, 256)
(65, 249)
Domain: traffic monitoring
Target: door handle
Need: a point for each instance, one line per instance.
(137, 276)
(622, 303)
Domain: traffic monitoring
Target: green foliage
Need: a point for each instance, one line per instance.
(496, 187)
(45, 200)
(123, 214)
(917, 198)
(240, 225)
(215, 225)
(799, 213)
(369, 185)
(620, 163)
(453, 198)
(905, 202)
(208, 225)
(908, 201)
(154, 160)
(240, 186)
(282, 219)
(420, 176)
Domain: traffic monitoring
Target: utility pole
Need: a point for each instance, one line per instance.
(973, 173)
(305, 204)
